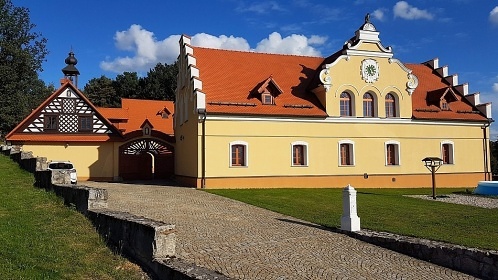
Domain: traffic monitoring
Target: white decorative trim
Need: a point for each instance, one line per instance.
(412, 83)
(306, 157)
(325, 78)
(369, 70)
(352, 152)
(398, 152)
(351, 120)
(368, 54)
(452, 150)
(246, 153)
(394, 60)
(330, 65)
(341, 90)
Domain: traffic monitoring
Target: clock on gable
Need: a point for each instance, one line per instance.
(369, 70)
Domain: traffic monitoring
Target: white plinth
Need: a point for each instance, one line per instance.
(349, 220)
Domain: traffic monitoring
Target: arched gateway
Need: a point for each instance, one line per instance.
(146, 159)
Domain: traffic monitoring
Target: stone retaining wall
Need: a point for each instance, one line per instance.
(479, 263)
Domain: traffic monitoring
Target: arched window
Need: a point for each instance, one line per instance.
(345, 104)
(299, 153)
(368, 105)
(346, 153)
(238, 154)
(390, 106)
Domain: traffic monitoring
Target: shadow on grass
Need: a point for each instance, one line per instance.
(332, 229)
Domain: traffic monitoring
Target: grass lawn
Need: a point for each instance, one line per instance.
(383, 210)
(40, 238)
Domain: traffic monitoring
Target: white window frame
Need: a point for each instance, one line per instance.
(398, 152)
(351, 152)
(452, 150)
(246, 154)
(306, 157)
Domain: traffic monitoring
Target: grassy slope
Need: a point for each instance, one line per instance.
(384, 210)
(40, 238)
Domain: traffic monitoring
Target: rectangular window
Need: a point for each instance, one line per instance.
(345, 108)
(345, 154)
(392, 154)
(447, 153)
(50, 122)
(85, 123)
(267, 99)
(238, 155)
(298, 155)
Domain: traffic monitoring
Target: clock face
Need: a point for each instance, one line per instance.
(370, 70)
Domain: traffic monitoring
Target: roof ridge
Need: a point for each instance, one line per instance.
(256, 52)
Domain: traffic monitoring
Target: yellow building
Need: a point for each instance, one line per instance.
(359, 117)
(132, 142)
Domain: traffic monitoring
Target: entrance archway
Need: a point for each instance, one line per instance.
(146, 159)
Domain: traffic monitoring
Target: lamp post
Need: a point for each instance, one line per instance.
(433, 164)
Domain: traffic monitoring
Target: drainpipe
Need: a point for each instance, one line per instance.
(203, 147)
(487, 175)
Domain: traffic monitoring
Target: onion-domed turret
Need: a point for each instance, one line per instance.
(70, 70)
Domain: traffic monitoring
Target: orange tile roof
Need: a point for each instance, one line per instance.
(113, 113)
(136, 111)
(430, 87)
(230, 77)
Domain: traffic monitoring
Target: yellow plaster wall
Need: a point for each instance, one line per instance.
(269, 147)
(90, 160)
(345, 75)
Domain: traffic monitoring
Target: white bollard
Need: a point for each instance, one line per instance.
(349, 220)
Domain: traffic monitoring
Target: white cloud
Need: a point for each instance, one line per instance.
(293, 44)
(493, 15)
(261, 8)
(495, 87)
(403, 10)
(379, 14)
(221, 42)
(147, 51)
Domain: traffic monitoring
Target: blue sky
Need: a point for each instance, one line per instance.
(109, 37)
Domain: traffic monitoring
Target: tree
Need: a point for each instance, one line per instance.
(22, 53)
(127, 85)
(160, 82)
(101, 92)
(494, 156)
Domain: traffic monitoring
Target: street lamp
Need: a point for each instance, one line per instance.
(433, 164)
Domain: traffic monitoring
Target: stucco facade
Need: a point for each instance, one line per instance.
(359, 116)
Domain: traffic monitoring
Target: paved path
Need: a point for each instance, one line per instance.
(246, 242)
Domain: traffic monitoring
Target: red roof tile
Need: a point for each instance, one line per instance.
(229, 78)
(430, 86)
(140, 110)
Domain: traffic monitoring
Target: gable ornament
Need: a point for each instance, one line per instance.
(369, 70)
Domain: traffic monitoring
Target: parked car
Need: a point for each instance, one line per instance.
(63, 166)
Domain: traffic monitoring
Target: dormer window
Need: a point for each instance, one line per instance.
(444, 105)
(146, 128)
(442, 98)
(267, 91)
(164, 113)
(267, 99)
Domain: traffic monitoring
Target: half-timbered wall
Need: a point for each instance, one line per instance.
(68, 109)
